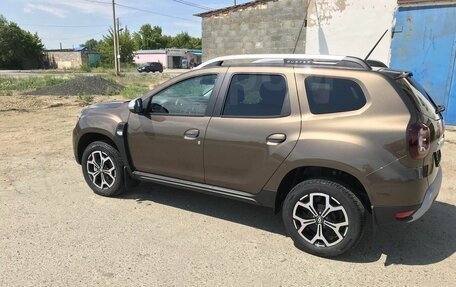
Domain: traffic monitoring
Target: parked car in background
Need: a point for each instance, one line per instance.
(151, 67)
(325, 140)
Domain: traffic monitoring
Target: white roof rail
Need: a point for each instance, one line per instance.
(264, 58)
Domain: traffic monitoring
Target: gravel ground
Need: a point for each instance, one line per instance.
(55, 232)
(80, 85)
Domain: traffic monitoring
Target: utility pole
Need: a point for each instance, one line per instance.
(118, 44)
(114, 34)
(234, 2)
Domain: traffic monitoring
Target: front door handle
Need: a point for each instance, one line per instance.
(275, 139)
(191, 134)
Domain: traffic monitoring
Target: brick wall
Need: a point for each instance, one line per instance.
(66, 59)
(267, 27)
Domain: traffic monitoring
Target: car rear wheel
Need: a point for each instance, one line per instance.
(102, 167)
(323, 217)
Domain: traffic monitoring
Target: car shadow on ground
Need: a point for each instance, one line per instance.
(214, 206)
(429, 240)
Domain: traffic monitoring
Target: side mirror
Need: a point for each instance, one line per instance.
(136, 106)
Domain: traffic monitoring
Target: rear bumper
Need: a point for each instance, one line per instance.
(386, 215)
(429, 197)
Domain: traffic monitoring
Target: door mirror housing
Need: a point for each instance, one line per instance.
(136, 106)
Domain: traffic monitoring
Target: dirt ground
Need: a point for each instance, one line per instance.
(55, 232)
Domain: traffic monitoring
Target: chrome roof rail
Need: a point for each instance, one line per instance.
(291, 59)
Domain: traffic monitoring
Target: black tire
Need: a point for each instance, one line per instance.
(317, 192)
(110, 187)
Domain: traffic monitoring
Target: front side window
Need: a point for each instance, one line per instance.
(188, 97)
(333, 95)
(257, 95)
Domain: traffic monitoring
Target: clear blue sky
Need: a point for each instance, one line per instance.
(42, 16)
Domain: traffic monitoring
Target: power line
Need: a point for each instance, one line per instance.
(155, 13)
(193, 4)
(62, 26)
(99, 2)
(151, 12)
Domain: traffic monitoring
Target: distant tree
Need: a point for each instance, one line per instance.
(127, 47)
(184, 40)
(195, 43)
(148, 37)
(91, 44)
(19, 49)
(167, 41)
(181, 40)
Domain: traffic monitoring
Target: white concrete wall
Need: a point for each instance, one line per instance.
(350, 27)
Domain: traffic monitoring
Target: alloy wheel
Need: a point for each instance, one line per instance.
(320, 219)
(101, 169)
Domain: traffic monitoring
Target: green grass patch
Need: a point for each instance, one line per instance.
(136, 85)
(134, 91)
(10, 85)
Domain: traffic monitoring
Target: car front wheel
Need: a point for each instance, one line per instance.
(323, 217)
(102, 167)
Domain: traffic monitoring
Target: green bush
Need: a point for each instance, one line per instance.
(86, 68)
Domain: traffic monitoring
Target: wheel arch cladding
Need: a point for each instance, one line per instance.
(299, 174)
(88, 138)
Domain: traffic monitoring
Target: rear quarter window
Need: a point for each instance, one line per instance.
(414, 91)
(333, 95)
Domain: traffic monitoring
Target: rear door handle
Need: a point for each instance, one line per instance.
(275, 139)
(191, 134)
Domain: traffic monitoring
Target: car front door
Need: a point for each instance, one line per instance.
(255, 126)
(167, 139)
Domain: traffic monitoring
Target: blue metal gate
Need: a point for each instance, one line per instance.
(424, 42)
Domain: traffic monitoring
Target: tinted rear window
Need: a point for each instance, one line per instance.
(257, 95)
(333, 95)
(419, 96)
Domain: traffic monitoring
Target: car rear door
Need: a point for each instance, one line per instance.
(167, 139)
(255, 126)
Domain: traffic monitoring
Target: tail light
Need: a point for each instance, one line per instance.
(419, 140)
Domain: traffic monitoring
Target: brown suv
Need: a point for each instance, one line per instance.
(323, 139)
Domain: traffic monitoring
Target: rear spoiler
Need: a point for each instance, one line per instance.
(403, 75)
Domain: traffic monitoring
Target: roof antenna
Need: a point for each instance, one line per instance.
(375, 46)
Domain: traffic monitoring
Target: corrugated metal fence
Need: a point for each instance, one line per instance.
(424, 42)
